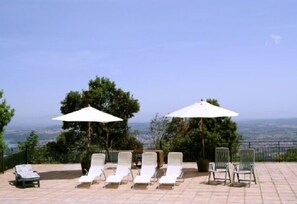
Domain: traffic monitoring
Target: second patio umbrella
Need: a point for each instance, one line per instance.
(202, 110)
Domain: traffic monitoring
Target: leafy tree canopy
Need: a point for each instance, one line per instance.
(6, 113)
(30, 145)
(103, 95)
(158, 130)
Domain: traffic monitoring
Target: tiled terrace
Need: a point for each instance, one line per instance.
(277, 183)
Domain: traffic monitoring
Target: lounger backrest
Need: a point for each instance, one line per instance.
(147, 171)
(25, 171)
(175, 163)
(124, 163)
(125, 158)
(98, 159)
(97, 164)
(23, 168)
(247, 157)
(175, 159)
(149, 159)
(221, 157)
(149, 163)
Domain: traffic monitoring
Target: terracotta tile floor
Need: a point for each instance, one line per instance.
(277, 183)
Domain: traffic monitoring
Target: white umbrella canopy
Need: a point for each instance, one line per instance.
(202, 110)
(88, 114)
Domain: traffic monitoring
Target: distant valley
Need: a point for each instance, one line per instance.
(260, 130)
(268, 129)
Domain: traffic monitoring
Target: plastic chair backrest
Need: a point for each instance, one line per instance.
(247, 157)
(221, 157)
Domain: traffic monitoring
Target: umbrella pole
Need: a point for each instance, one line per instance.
(202, 138)
(89, 134)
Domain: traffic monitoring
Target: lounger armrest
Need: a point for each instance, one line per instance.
(155, 174)
(164, 172)
(181, 174)
(131, 173)
(138, 171)
(103, 172)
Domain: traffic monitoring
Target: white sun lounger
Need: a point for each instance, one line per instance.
(148, 168)
(174, 169)
(123, 168)
(96, 169)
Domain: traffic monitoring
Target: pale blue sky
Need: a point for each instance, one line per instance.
(167, 53)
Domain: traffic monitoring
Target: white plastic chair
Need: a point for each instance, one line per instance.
(123, 168)
(148, 169)
(246, 166)
(174, 169)
(221, 165)
(96, 169)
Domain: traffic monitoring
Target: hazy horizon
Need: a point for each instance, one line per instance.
(44, 124)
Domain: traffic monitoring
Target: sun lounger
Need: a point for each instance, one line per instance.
(96, 169)
(25, 174)
(123, 168)
(174, 169)
(148, 168)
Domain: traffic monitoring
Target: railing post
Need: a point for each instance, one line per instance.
(278, 145)
(249, 144)
(231, 160)
(2, 161)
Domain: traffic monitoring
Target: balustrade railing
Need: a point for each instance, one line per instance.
(272, 151)
(275, 151)
(9, 161)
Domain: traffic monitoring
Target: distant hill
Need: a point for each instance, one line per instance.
(268, 129)
(45, 134)
(260, 129)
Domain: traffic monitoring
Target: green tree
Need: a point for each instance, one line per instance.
(6, 113)
(67, 148)
(183, 138)
(157, 129)
(185, 135)
(291, 154)
(30, 145)
(129, 141)
(103, 95)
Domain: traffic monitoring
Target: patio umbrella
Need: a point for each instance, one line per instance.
(88, 114)
(202, 110)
